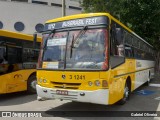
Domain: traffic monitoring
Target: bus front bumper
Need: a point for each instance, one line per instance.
(100, 96)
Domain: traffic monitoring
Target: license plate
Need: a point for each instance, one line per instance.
(62, 92)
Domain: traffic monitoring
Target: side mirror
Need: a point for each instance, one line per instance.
(34, 40)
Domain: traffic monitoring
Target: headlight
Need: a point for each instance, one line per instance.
(44, 80)
(40, 80)
(104, 83)
(90, 83)
(97, 83)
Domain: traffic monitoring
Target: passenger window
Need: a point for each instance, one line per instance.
(128, 51)
(14, 55)
(117, 45)
(117, 36)
(1, 54)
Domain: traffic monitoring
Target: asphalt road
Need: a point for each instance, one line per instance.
(138, 102)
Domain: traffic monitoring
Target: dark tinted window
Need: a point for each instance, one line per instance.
(39, 2)
(128, 51)
(76, 8)
(55, 4)
(20, 0)
(117, 37)
(14, 55)
(117, 45)
(30, 55)
(128, 38)
(2, 54)
(136, 42)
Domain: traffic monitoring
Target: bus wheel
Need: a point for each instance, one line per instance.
(31, 84)
(125, 95)
(149, 79)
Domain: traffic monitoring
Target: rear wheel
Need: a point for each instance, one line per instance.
(125, 95)
(149, 79)
(31, 84)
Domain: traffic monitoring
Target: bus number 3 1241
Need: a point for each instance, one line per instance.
(77, 77)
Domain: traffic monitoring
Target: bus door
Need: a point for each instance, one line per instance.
(116, 61)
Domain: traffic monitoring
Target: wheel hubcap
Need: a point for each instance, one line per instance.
(126, 92)
(33, 84)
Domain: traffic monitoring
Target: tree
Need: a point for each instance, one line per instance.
(94, 5)
(142, 16)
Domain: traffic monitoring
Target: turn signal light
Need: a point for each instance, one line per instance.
(97, 83)
(90, 83)
(104, 83)
(44, 80)
(40, 80)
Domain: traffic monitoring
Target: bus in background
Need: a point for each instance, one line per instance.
(18, 59)
(92, 58)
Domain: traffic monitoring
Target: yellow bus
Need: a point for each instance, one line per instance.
(92, 58)
(18, 61)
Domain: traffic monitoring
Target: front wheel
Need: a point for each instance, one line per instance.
(31, 84)
(125, 95)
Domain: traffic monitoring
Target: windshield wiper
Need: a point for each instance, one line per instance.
(74, 40)
(45, 44)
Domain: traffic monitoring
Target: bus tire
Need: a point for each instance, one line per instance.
(149, 79)
(125, 95)
(31, 84)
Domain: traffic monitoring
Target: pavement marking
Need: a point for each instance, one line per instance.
(144, 92)
(154, 85)
(158, 109)
(157, 98)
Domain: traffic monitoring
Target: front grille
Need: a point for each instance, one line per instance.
(66, 85)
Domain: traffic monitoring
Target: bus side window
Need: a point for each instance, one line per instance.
(2, 54)
(14, 55)
(128, 51)
(117, 45)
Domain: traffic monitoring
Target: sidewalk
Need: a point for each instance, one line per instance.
(156, 79)
(156, 82)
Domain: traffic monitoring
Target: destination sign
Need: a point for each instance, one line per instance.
(77, 22)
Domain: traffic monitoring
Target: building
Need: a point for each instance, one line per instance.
(29, 16)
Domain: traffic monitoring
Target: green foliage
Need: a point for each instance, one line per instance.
(142, 16)
(94, 5)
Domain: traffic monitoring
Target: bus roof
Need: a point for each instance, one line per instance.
(17, 35)
(78, 16)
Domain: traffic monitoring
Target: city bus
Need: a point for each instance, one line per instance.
(92, 58)
(18, 59)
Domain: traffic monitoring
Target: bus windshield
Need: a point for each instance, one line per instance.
(75, 49)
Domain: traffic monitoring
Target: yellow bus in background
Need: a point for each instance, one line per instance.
(18, 59)
(92, 58)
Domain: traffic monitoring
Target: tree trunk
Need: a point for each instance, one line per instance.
(157, 64)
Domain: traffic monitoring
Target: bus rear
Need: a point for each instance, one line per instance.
(18, 61)
(74, 59)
